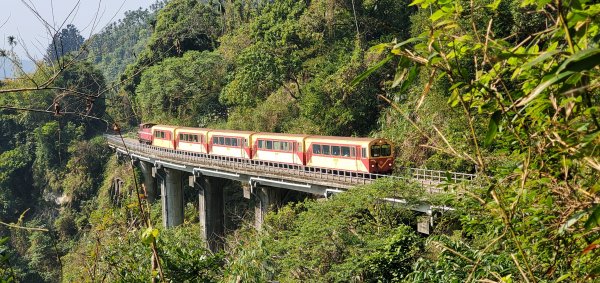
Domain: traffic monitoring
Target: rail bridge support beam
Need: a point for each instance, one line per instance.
(172, 198)
(266, 198)
(211, 209)
(149, 181)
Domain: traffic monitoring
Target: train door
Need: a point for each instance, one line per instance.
(364, 160)
(240, 144)
(294, 146)
(358, 157)
(170, 136)
(354, 154)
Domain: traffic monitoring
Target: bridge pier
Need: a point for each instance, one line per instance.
(149, 181)
(172, 198)
(211, 210)
(265, 199)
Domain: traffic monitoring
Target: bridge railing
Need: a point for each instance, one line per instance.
(424, 176)
(437, 175)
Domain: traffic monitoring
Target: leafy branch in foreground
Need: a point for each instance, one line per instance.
(538, 90)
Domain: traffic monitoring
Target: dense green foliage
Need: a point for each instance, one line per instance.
(304, 56)
(116, 46)
(184, 90)
(506, 89)
(353, 236)
(301, 55)
(49, 166)
(530, 93)
(114, 248)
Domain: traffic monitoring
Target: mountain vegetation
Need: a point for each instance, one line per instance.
(64, 42)
(505, 89)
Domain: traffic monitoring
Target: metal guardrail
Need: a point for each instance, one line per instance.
(425, 176)
(437, 175)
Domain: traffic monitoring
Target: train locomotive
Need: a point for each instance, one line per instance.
(296, 151)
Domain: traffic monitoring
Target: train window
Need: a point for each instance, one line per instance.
(269, 144)
(386, 150)
(227, 141)
(260, 144)
(215, 140)
(364, 152)
(180, 137)
(246, 142)
(285, 146)
(162, 135)
(276, 145)
(222, 140)
(375, 151)
(234, 142)
(325, 149)
(352, 152)
(335, 150)
(345, 151)
(316, 148)
(195, 138)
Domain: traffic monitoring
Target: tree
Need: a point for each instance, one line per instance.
(64, 42)
(118, 44)
(181, 26)
(183, 90)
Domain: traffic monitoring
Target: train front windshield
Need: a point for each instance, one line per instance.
(381, 150)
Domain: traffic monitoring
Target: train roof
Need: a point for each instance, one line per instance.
(353, 139)
(231, 132)
(281, 135)
(164, 127)
(193, 129)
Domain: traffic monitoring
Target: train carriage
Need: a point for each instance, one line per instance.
(192, 139)
(145, 133)
(164, 136)
(281, 148)
(328, 154)
(230, 143)
(366, 155)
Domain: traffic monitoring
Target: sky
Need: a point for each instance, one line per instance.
(89, 16)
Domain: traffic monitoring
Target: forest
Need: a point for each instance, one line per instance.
(508, 90)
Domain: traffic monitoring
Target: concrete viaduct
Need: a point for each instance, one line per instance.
(166, 169)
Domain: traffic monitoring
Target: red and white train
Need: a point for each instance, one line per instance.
(360, 155)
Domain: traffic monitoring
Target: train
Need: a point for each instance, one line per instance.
(358, 155)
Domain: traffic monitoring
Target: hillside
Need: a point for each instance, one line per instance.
(508, 90)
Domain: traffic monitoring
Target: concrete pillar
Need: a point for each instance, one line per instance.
(172, 198)
(267, 198)
(149, 182)
(211, 210)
